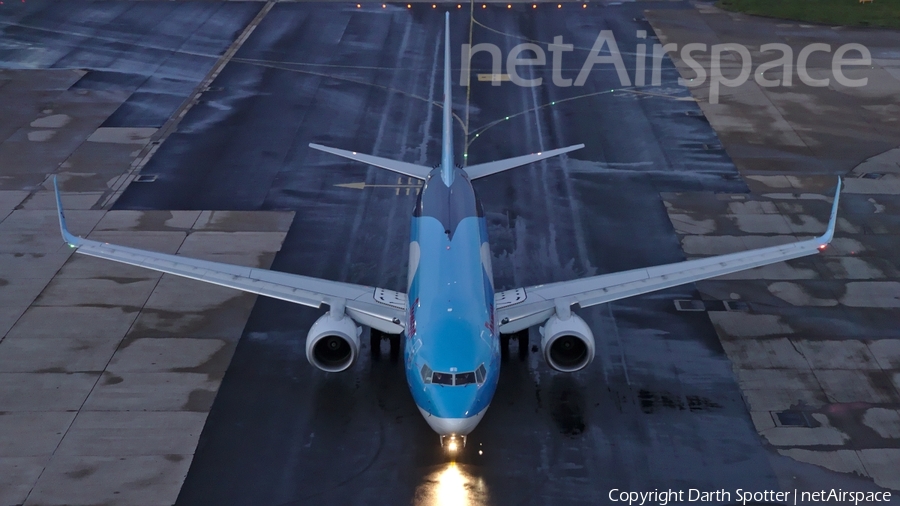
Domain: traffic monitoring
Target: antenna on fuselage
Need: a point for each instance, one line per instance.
(447, 138)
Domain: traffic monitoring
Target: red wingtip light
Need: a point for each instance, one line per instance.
(822, 247)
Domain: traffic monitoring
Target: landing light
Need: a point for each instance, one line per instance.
(452, 446)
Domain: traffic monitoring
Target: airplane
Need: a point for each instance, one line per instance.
(450, 319)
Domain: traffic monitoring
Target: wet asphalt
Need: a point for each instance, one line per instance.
(659, 408)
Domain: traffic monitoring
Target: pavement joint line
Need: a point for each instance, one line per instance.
(122, 182)
(99, 376)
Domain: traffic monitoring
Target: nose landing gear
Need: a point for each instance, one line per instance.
(453, 443)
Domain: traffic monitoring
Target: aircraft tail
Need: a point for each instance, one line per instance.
(447, 164)
(447, 137)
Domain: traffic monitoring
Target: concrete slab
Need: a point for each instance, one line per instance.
(874, 294)
(153, 392)
(131, 433)
(17, 477)
(740, 324)
(120, 481)
(73, 322)
(886, 422)
(177, 354)
(762, 420)
(37, 232)
(804, 436)
(32, 433)
(685, 224)
(188, 296)
(779, 353)
(16, 296)
(887, 185)
(108, 292)
(882, 464)
(844, 354)
(857, 386)
(233, 221)
(33, 265)
(697, 245)
(44, 391)
(887, 353)
(157, 221)
(9, 199)
(230, 242)
(49, 354)
(74, 201)
(854, 268)
(796, 295)
(122, 135)
(780, 389)
(842, 461)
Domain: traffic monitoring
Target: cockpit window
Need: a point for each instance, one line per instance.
(453, 379)
(442, 378)
(465, 378)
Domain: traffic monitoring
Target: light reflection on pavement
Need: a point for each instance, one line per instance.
(451, 485)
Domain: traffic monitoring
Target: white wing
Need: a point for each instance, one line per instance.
(523, 307)
(376, 307)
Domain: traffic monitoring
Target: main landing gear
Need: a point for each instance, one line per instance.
(522, 338)
(375, 338)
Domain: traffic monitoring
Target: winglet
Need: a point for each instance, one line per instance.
(832, 221)
(70, 239)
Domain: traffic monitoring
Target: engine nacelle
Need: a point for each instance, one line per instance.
(568, 345)
(332, 344)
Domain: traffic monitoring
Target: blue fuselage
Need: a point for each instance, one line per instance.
(452, 350)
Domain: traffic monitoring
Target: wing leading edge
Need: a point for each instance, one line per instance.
(376, 307)
(523, 307)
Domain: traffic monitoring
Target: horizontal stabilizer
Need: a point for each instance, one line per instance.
(407, 169)
(486, 169)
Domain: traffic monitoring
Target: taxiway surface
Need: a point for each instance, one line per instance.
(659, 407)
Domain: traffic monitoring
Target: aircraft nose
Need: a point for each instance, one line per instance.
(452, 426)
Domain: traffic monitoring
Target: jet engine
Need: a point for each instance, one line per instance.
(332, 343)
(568, 345)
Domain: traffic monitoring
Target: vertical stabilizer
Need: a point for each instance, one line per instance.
(447, 138)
